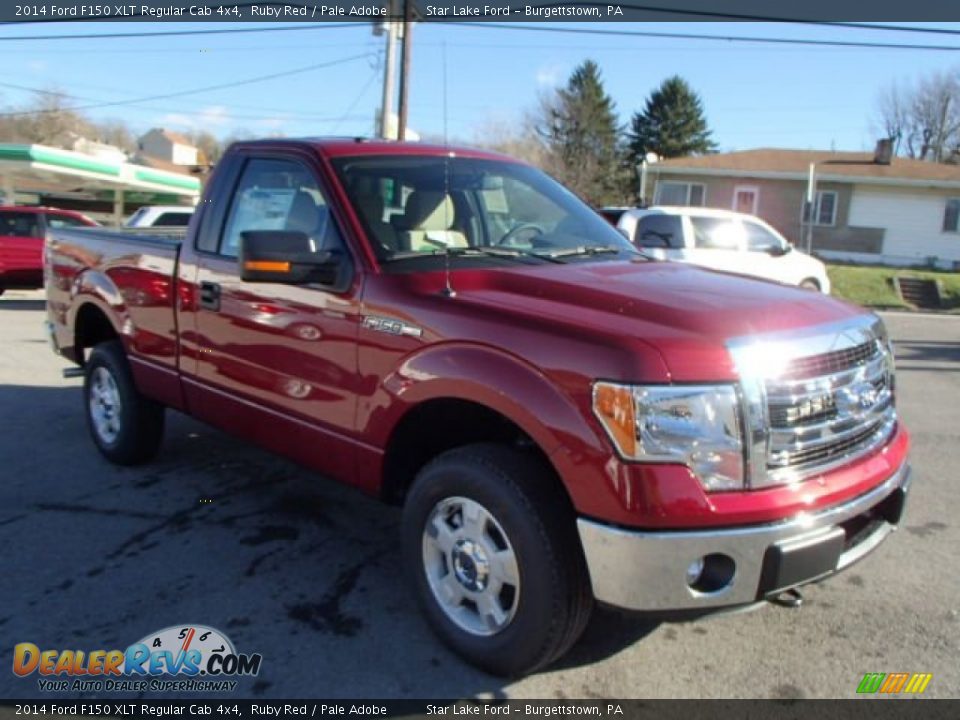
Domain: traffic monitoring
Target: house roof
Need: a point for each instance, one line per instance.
(172, 136)
(795, 164)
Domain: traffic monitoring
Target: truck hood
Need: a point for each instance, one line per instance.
(687, 314)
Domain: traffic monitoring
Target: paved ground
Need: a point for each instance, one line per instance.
(306, 573)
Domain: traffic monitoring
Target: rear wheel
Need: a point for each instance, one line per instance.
(492, 548)
(810, 284)
(125, 426)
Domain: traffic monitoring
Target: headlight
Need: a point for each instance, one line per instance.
(696, 425)
(886, 346)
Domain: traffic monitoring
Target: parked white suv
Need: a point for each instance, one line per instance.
(161, 216)
(722, 240)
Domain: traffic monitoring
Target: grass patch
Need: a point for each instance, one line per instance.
(873, 286)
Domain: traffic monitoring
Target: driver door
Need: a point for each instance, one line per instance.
(277, 362)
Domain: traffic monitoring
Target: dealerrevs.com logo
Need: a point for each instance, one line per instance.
(178, 658)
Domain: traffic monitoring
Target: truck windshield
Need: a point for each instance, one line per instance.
(416, 206)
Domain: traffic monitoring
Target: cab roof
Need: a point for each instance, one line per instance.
(333, 147)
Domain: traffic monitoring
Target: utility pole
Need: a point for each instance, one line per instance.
(405, 70)
(389, 69)
(811, 203)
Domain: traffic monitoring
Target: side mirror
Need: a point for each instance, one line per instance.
(779, 250)
(286, 256)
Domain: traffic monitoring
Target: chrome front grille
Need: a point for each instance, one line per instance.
(819, 419)
(822, 399)
(831, 362)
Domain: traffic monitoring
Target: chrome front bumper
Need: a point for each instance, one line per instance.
(648, 570)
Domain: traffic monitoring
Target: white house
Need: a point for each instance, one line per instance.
(169, 146)
(868, 208)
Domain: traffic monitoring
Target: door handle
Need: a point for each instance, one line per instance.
(210, 296)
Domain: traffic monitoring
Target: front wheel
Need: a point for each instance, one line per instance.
(491, 545)
(125, 426)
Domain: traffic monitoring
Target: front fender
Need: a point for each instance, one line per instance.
(558, 419)
(492, 378)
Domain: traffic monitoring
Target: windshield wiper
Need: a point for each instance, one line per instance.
(497, 252)
(576, 251)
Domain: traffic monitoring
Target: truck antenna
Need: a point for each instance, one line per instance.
(448, 290)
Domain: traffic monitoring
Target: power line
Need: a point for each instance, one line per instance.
(356, 100)
(273, 112)
(530, 27)
(653, 9)
(193, 91)
(722, 15)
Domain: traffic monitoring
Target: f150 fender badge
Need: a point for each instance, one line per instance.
(391, 326)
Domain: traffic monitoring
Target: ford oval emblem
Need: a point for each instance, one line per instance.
(858, 396)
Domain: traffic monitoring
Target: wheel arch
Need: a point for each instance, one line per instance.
(455, 422)
(91, 325)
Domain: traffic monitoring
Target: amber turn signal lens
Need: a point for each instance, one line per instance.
(267, 266)
(614, 407)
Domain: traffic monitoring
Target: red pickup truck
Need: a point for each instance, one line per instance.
(564, 420)
(21, 242)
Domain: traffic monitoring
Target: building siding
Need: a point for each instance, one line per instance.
(780, 203)
(913, 221)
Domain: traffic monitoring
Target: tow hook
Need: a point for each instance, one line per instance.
(791, 598)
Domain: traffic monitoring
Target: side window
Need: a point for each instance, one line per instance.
(279, 195)
(716, 233)
(659, 231)
(64, 221)
(20, 224)
(173, 219)
(759, 239)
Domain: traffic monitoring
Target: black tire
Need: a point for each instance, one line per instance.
(810, 284)
(554, 597)
(2, 290)
(138, 421)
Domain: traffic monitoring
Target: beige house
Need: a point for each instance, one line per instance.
(168, 146)
(866, 209)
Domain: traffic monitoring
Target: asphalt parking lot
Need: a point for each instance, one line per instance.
(307, 573)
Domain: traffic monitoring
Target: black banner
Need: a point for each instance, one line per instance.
(812, 11)
(888, 709)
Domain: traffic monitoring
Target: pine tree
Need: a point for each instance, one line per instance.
(579, 126)
(672, 123)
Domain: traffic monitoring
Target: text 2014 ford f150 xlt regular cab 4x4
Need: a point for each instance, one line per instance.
(563, 420)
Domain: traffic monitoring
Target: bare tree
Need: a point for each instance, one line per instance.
(208, 144)
(48, 120)
(923, 120)
(118, 134)
(936, 114)
(519, 141)
(893, 115)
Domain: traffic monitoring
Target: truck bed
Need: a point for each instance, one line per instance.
(129, 275)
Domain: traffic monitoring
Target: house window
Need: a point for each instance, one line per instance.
(680, 193)
(824, 208)
(745, 199)
(951, 215)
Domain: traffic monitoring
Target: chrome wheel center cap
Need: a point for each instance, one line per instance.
(470, 565)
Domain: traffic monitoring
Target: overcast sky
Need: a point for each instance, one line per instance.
(755, 95)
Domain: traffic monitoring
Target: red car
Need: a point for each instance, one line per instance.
(22, 230)
(563, 419)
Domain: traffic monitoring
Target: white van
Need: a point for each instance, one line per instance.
(722, 240)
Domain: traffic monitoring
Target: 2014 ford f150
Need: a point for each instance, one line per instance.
(563, 419)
